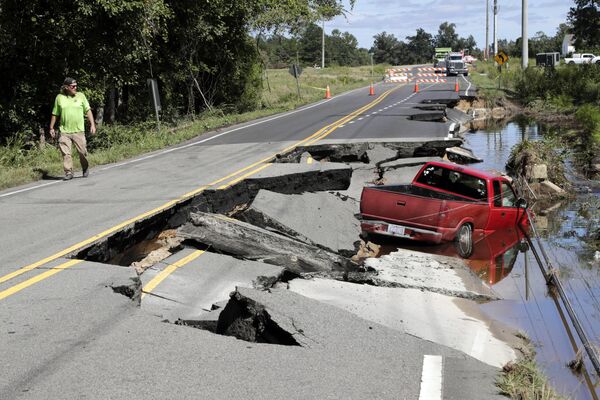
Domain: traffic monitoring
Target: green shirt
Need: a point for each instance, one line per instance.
(71, 110)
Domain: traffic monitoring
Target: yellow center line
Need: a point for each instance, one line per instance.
(25, 284)
(312, 138)
(254, 171)
(169, 270)
(353, 115)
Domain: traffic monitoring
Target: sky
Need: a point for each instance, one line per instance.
(403, 17)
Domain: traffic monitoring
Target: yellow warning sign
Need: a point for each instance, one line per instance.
(501, 57)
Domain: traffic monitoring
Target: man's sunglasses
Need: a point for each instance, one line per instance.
(73, 86)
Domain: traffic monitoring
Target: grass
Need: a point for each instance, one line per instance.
(22, 161)
(494, 86)
(524, 381)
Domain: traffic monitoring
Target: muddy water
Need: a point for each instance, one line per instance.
(516, 276)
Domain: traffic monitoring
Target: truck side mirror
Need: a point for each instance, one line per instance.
(521, 203)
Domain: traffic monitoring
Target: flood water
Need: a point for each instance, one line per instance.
(517, 277)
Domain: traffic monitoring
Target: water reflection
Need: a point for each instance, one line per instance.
(493, 256)
(565, 230)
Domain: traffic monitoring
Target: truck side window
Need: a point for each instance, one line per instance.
(454, 181)
(509, 199)
(497, 194)
(431, 176)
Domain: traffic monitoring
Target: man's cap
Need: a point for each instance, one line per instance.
(69, 81)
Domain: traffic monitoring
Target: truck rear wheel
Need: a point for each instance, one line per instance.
(464, 241)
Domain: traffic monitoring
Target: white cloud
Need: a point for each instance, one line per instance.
(403, 18)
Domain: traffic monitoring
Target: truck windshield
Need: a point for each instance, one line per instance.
(456, 58)
(454, 181)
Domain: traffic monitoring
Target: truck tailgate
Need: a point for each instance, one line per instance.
(401, 204)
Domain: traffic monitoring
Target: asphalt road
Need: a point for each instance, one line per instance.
(66, 334)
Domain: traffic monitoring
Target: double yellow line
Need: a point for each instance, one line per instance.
(245, 172)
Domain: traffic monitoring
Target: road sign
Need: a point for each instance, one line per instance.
(501, 57)
(295, 70)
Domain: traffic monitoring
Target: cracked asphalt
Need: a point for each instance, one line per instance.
(67, 334)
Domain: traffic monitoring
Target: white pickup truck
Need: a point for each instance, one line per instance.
(583, 58)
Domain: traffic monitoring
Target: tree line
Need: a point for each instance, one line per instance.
(201, 53)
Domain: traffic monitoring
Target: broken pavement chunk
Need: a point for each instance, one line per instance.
(321, 218)
(253, 243)
(248, 320)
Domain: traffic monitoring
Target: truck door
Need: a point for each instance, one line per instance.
(503, 212)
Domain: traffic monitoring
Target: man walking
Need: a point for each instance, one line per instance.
(71, 107)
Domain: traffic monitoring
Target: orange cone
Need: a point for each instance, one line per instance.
(371, 90)
(327, 93)
(416, 86)
(456, 88)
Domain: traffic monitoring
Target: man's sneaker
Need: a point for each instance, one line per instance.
(68, 176)
(86, 173)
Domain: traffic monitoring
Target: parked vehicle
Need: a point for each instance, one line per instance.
(469, 59)
(595, 60)
(580, 58)
(547, 59)
(444, 202)
(455, 64)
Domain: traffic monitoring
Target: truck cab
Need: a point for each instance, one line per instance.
(455, 64)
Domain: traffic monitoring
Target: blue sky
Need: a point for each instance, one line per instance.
(402, 18)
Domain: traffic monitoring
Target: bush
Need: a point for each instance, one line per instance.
(589, 117)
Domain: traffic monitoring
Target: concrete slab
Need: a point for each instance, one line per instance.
(455, 115)
(193, 288)
(407, 162)
(379, 152)
(434, 273)
(320, 218)
(456, 323)
(136, 356)
(361, 177)
(400, 176)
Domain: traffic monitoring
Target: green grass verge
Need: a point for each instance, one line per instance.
(23, 162)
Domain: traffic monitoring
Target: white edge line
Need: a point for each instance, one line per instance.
(431, 378)
(468, 87)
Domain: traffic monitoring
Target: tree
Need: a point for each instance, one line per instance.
(386, 49)
(447, 36)
(419, 48)
(585, 18)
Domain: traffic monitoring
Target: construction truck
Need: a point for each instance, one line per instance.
(455, 65)
(439, 59)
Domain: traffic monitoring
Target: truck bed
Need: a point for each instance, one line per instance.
(419, 207)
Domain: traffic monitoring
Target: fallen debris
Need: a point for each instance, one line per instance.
(252, 243)
(461, 155)
(248, 320)
(169, 243)
(434, 273)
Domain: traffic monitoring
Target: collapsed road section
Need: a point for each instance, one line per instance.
(293, 226)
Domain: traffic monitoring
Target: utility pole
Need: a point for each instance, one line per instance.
(323, 45)
(495, 27)
(524, 37)
(486, 52)
(371, 65)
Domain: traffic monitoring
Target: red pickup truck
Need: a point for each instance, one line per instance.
(444, 202)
